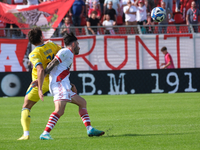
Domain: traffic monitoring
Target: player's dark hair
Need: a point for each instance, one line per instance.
(34, 35)
(69, 38)
(163, 48)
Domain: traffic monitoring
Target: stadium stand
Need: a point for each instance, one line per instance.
(178, 26)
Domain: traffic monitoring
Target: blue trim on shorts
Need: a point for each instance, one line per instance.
(29, 90)
(37, 64)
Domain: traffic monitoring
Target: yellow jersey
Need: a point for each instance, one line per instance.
(43, 54)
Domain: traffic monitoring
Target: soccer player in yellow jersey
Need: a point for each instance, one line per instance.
(39, 57)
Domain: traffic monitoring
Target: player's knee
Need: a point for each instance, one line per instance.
(84, 103)
(60, 112)
(28, 104)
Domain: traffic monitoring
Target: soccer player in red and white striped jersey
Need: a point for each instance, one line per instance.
(62, 90)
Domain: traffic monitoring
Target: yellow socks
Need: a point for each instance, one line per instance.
(25, 120)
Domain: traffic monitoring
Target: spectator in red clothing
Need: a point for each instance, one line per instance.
(95, 8)
(89, 4)
(169, 64)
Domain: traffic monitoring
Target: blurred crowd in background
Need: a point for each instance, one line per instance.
(109, 13)
(113, 17)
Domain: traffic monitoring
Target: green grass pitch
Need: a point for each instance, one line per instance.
(131, 122)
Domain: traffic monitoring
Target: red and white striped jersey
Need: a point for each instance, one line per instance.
(62, 71)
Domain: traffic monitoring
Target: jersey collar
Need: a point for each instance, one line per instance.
(70, 50)
(40, 45)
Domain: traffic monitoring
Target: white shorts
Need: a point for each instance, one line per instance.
(61, 91)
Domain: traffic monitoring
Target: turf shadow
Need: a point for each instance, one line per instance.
(158, 134)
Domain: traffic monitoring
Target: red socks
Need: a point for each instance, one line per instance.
(52, 121)
(85, 117)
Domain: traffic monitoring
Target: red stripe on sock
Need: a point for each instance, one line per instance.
(85, 117)
(52, 121)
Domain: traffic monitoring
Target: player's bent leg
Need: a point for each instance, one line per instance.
(78, 100)
(53, 119)
(28, 103)
(60, 106)
(85, 116)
